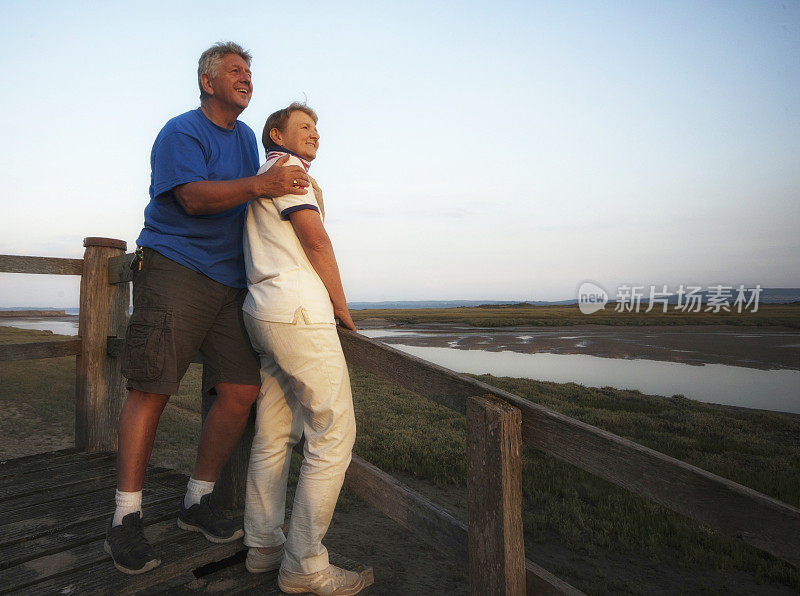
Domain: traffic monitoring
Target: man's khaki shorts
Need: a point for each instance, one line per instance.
(177, 313)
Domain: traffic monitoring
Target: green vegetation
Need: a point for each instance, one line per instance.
(401, 432)
(506, 315)
(609, 540)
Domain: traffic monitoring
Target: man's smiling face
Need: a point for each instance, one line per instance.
(232, 84)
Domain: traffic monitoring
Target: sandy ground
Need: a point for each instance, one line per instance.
(763, 348)
(23, 432)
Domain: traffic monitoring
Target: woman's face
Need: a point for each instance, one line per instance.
(300, 135)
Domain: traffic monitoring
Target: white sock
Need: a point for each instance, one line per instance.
(195, 490)
(126, 503)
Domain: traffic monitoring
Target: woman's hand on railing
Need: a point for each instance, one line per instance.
(344, 318)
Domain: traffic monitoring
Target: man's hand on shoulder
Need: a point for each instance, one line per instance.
(282, 180)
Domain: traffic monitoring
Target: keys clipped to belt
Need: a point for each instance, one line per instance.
(138, 257)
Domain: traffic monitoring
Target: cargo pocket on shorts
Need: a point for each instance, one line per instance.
(145, 344)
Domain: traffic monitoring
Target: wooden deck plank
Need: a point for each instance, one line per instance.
(67, 491)
(51, 540)
(60, 466)
(77, 558)
(84, 532)
(44, 519)
(43, 480)
(235, 579)
(39, 461)
(81, 500)
(27, 459)
(184, 552)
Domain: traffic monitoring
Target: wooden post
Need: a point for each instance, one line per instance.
(99, 386)
(494, 497)
(229, 490)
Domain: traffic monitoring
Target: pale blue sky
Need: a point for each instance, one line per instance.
(468, 151)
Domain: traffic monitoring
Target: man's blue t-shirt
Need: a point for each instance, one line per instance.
(190, 148)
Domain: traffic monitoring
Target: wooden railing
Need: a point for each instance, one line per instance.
(499, 423)
(99, 386)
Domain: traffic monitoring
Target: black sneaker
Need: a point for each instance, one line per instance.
(211, 522)
(129, 548)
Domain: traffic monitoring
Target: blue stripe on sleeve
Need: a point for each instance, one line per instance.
(285, 213)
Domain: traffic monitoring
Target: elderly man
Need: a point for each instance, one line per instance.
(188, 291)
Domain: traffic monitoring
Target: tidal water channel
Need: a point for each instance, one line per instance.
(747, 367)
(657, 364)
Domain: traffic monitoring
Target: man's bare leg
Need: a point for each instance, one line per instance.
(137, 431)
(125, 540)
(222, 428)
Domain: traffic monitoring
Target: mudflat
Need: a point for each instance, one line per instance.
(754, 347)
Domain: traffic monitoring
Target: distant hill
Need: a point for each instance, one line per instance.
(411, 304)
(768, 296)
(8, 313)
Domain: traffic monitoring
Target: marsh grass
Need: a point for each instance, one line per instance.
(587, 515)
(592, 533)
(507, 315)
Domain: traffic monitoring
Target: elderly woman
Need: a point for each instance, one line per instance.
(294, 296)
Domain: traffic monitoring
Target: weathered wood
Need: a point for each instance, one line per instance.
(540, 582)
(181, 553)
(89, 487)
(155, 509)
(429, 522)
(75, 472)
(411, 510)
(114, 346)
(229, 490)
(431, 380)
(40, 519)
(235, 579)
(40, 349)
(41, 512)
(105, 242)
(726, 506)
(46, 458)
(81, 557)
(43, 265)
(119, 269)
(100, 387)
(59, 459)
(494, 497)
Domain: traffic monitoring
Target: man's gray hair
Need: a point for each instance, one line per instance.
(210, 59)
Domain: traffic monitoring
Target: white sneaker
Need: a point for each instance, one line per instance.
(332, 581)
(258, 562)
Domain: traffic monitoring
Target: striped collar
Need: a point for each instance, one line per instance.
(276, 151)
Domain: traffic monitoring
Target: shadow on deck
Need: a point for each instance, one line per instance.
(54, 509)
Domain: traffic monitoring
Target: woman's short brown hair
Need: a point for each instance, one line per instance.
(280, 118)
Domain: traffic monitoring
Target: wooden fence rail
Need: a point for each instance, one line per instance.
(43, 265)
(41, 349)
(498, 423)
(769, 524)
(99, 387)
